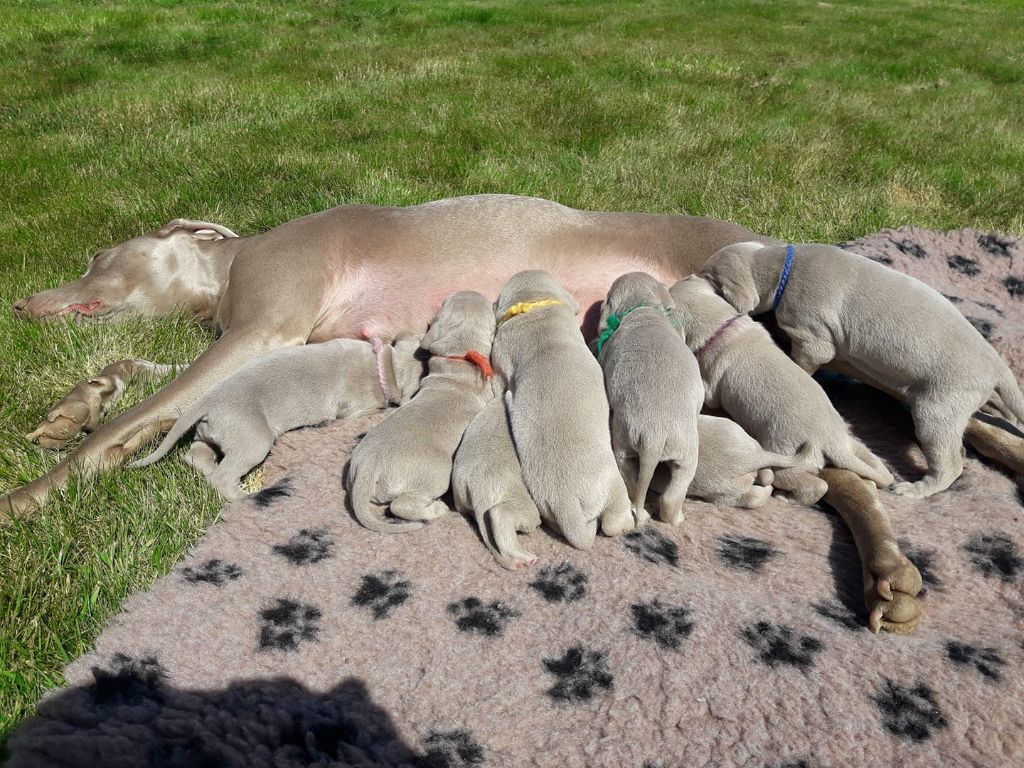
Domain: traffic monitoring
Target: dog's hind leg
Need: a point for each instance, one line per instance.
(498, 527)
(940, 430)
(239, 458)
(201, 457)
(617, 516)
(891, 582)
(418, 506)
(674, 496)
(997, 443)
(806, 487)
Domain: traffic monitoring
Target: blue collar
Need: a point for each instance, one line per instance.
(784, 280)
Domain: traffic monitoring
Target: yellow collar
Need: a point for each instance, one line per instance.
(525, 306)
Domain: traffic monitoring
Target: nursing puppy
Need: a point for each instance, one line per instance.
(881, 326)
(733, 469)
(240, 418)
(405, 462)
(771, 397)
(488, 481)
(557, 410)
(654, 390)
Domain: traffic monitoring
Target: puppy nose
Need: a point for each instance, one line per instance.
(19, 306)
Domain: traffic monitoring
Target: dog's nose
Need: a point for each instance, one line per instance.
(19, 306)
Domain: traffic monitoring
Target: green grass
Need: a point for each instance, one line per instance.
(805, 120)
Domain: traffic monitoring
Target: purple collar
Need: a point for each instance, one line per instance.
(710, 341)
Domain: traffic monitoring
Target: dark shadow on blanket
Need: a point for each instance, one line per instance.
(129, 716)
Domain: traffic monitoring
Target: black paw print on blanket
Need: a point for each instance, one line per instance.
(744, 553)
(995, 554)
(382, 592)
(214, 571)
(581, 673)
(287, 623)
(267, 496)
(924, 560)
(909, 712)
(840, 614)
(450, 749)
(985, 660)
(308, 546)
(652, 546)
(472, 615)
(560, 584)
(964, 265)
(667, 625)
(777, 644)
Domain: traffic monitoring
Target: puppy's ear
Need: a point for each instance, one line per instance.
(430, 337)
(602, 323)
(734, 281)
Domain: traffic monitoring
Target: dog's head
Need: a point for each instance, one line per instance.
(697, 305)
(532, 285)
(152, 274)
(464, 323)
(731, 272)
(634, 289)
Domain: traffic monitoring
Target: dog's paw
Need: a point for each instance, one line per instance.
(516, 559)
(15, 504)
(922, 489)
(891, 585)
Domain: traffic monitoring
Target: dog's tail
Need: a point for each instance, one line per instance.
(185, 422)
(1009, 391)
(362, 485)
(650, 453)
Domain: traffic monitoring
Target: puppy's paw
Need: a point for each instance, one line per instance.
(920, 490)
(54, 434)
(516, 559)
(674, 516)
(891, 585)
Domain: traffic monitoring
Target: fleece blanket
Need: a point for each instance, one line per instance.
(290, 636)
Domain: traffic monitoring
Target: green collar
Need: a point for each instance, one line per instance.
(615, 320)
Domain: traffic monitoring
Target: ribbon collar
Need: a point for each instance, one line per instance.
(525, 306)
(614, 321)
(784, 280)
(709, 342)
(475, 358)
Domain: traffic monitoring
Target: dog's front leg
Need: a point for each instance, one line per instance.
(85, 406)
(116, 440)
(891, 582)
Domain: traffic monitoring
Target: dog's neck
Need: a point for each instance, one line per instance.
(211, 266)
(767, 273)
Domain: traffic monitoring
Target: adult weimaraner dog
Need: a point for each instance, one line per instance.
(368, 272)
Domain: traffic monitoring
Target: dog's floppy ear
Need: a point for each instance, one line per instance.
(732, 278)
(202, 230)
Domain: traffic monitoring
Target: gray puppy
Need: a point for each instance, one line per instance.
(771, 397)
(405, 462)
(240, 418)
(488, 481)
(557, 410)
(654, 390)
(733, 469)
(883, 327)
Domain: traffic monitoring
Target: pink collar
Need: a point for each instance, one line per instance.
(709, 342)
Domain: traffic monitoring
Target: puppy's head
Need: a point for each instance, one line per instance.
(465, 322)
(697, 304)
(634, 289)
(730, 272)
(532, 285)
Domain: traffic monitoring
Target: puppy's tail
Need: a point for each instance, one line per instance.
(185, 422)
(361, 489)
(768, 459)
(1009, 391)
(649, 457)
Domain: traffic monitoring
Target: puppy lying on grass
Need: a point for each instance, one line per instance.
(654, 390)
(405, 462)
(488, 481)
(781, 406)
(557, 409)
(882, 327)
(240, 418)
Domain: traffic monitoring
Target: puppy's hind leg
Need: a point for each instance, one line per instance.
(238, 459)
(617, 517)
(201, 457)
(674, 497)
(418, 506)
(498, 527)
(806, 488)
(940, 431)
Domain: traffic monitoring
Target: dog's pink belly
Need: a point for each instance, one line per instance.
(376, 304)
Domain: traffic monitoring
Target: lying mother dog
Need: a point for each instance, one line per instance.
(365, 272)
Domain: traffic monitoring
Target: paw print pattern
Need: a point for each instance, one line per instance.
(995, 554)
(986, 660)
(953, 299)
(382, 592)
(308, 546)
(924, 560)
(909, 712)
(471, 615)
(840, 614)
(267, 496)
(964, 265)
(581, 674)
(214, 571)
(450, 749)
(911, 249)
(560, 584)
(990, 307)
(667, 625)
(984, 327)
(995, 245)
(287, 623)
(744, 553)
(1014, 286)
(777, 644)
(129, 680)
(652, 546)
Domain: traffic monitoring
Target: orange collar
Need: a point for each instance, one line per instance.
(477, 359)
